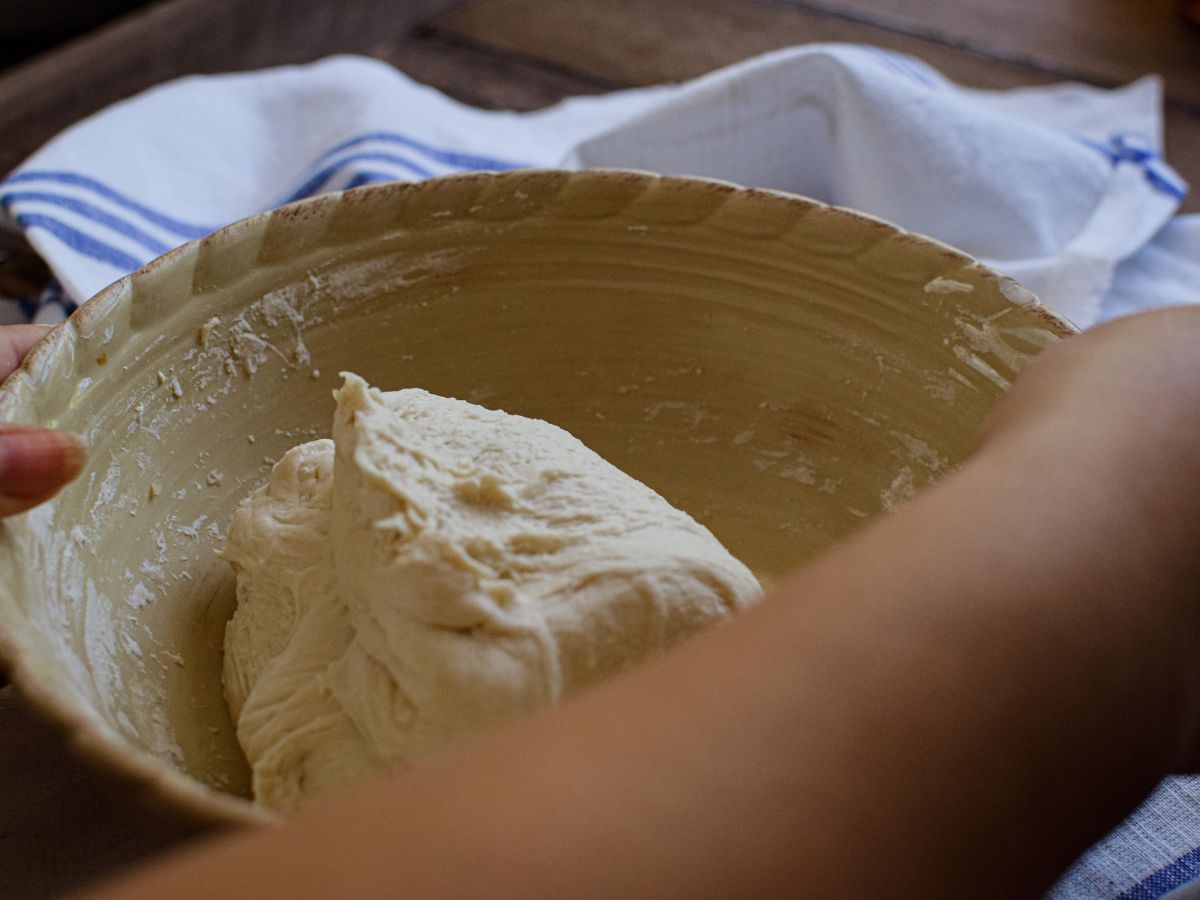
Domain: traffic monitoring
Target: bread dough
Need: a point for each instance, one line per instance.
(438, 568)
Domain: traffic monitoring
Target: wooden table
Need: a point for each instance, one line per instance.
(523, 54)
(516, 54)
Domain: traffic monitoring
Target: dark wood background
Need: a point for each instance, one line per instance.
(523, 54)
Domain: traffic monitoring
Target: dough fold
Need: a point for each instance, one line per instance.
(439, 568)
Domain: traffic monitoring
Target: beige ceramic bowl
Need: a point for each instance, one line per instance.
(780, 369)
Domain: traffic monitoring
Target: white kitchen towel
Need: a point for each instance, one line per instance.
(1056, 186)
(1063, 187)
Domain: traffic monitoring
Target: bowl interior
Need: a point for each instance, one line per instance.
(781, 370)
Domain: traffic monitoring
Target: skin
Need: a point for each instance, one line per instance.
(954, 702)
(34, 462)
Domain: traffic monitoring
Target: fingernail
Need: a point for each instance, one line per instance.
(74, 452)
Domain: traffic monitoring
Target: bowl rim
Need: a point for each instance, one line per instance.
(145, 775)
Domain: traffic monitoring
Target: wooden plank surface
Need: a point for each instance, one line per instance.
(40, 98)
(640, 42)
(1101, 41)
(476, 72)
(50, 92)
(635, 42)
(523, 54)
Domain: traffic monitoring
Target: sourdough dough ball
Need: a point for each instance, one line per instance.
(438, 568)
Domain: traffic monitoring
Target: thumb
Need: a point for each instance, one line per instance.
(34, 464)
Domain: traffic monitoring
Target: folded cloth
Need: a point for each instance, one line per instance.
(1056, 186)
(1063, 187)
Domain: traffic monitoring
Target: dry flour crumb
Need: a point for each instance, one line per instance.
(204, 332)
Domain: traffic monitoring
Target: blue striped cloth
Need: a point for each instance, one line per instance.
(1064, 187)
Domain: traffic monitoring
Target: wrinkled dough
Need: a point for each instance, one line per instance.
(438, 568)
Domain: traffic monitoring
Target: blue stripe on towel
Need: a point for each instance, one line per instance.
(1166, 879)
(311, 185)
(169, 223)
(29, 307)
(903, 65)
(920, 71)
(327, 168)
(1129, 147)
(88, 211)
(80, 242)
(447, 157)
(1163, 182)
(368, 178)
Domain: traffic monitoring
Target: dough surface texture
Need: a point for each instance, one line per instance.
(436, 569)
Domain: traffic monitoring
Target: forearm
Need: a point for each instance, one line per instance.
(955, 701)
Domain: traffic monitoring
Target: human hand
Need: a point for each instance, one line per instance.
(34, 462)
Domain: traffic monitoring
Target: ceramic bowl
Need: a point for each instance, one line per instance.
(782, 370)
